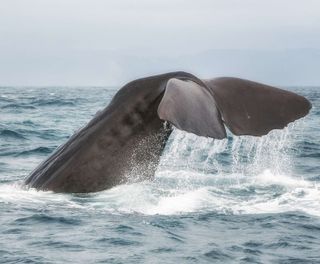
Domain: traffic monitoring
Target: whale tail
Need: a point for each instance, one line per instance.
(245, 107)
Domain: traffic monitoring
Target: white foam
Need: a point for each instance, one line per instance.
(151, 198)
(191, 178)
(269, 178)
(18, 196)
(299, 199)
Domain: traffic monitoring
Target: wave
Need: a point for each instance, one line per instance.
(33, 131)
(7, 133)
(18, 106)
(50, 134)
(36, 151)
(53, 102)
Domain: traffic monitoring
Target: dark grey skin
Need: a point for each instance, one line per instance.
(123, 143)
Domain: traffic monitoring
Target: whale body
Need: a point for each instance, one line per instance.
(123, 142)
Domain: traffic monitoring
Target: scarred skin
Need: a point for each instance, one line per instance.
(123, 142)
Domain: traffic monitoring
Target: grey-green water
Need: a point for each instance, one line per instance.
(239, 200)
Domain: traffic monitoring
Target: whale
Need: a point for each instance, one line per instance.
(123, 142)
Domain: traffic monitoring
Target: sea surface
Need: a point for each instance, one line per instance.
(238, 200)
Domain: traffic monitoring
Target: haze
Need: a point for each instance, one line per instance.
(107, 43)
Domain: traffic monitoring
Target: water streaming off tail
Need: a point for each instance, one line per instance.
(244, 156)
(240, 174)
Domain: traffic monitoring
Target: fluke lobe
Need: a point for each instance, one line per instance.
(123, 143)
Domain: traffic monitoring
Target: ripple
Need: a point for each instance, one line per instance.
(7, 133)
(163, 250)
(118, 241)
(18, 106)
(217, 254)
(53, 102)
(36, 151)
(42, 218)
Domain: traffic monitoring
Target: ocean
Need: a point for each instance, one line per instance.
(238, 200)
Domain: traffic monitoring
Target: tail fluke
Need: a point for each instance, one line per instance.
(245, 107)
(250, 108)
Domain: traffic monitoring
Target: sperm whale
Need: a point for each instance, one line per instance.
(131, 132)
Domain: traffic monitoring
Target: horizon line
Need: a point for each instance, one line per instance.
(120, 85)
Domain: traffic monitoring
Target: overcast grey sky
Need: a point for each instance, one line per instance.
(96, 42)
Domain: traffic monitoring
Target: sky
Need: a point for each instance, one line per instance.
(110, 42)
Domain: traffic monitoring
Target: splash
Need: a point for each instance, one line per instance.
(237, 175)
